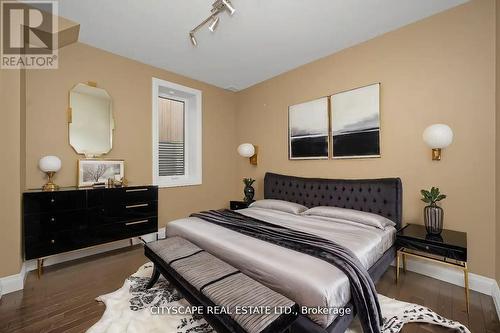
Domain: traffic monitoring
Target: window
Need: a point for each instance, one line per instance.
(176, 135)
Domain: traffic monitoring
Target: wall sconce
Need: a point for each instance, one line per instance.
(50, 165)
(437, 137)
(250, 151)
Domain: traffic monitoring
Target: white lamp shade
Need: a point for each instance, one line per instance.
(246, 150)
(438, 136)
(50, 164)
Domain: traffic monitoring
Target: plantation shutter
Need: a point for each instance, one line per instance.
(171, 148)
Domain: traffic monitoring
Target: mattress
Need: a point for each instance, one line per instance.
(307, 280)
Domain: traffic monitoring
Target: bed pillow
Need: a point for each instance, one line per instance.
(281, 205)
(352, 215)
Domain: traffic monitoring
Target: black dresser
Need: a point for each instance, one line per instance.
(75, 218)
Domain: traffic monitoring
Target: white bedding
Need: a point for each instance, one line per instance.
(306, 280)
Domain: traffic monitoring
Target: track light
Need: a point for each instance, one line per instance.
(217, 7)
(213, 25)
(193, 39)
(229, 6)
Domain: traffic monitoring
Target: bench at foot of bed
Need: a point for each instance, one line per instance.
(226, 294)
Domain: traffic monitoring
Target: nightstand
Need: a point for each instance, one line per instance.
(449, 248)
(235, 205)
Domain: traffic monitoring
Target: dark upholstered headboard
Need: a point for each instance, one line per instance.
(379, 196)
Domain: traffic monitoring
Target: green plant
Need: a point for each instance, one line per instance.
(248, 181)
(432, 196)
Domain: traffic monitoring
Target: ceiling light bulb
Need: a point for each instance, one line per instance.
(193, 39)
(229, 6)
(213, 25)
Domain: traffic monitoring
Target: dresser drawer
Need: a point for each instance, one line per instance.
(46, 244)
(47, 202)
(456, 254)
(121, 213)
(58, 221)
(124, 230)
(122, 196)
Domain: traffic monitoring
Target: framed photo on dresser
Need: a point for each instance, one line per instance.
(92, 171)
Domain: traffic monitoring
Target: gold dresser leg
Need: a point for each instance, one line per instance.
(397, 267)
(466, 286)
(39, 266)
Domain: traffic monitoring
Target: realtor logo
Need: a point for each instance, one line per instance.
(29, 35)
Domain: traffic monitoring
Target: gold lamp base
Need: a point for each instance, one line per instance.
(50, 186)
(436, 154)
(253, 159)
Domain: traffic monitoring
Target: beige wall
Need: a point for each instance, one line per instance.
(129, 84)
(11, 95)
(497, 137)
(440, 69)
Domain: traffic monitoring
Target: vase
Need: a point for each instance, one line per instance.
(433, 219)
(249, 193)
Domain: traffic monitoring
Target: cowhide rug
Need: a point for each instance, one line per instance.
(128, 310)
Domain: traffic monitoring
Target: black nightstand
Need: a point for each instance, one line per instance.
(449, 248)
(235, 205)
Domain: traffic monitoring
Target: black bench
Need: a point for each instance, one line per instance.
(226, 295)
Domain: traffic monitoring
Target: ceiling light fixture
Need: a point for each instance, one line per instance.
(193, 39)
(214, 24)
(229, 6)
(217, 7)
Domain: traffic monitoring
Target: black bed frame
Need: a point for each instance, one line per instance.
(379, 196)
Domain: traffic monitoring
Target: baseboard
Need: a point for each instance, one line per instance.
(477, 282)
(496, 298)
(15, 282)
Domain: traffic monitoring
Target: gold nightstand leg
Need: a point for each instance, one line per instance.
(404, 262)
(39, 266)
(466, 286)
(397, 267)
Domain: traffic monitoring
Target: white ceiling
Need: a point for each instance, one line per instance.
(263, 39)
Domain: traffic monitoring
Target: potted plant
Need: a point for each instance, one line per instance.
(433, 214)
(249, 190)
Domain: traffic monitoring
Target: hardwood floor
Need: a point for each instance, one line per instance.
(63, 299)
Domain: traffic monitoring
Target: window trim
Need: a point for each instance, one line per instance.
(193, 138)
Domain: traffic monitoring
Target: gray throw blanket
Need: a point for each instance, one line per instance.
(362, 288)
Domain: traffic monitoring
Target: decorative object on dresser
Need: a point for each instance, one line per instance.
(448, 248)
(437, 137)
(75, 218)
(308, 130)
(249, 191)
(50, 165)
(90, 120)
(92, 171)
(355, 122)
(433, 214)
(250, 151)
(235, 205)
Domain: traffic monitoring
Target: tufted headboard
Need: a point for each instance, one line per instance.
(379, 196)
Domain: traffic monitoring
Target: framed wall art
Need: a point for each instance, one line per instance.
(308, 130)
(355, 123)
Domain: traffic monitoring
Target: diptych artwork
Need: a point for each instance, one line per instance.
(355, 123)
(308, 130)
(349, 122)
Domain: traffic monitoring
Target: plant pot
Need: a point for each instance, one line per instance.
(249, 193)
(433, 219)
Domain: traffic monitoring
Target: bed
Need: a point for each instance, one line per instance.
(307, 280)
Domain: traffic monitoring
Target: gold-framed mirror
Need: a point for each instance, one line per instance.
(91, 121)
